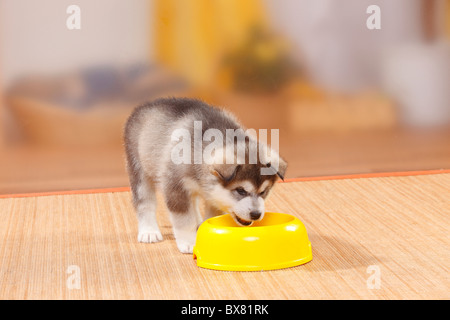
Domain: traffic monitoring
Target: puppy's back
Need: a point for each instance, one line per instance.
(149, 128)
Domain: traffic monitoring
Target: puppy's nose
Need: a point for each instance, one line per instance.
(254, 215)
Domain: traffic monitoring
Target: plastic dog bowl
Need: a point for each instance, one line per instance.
(277, 241)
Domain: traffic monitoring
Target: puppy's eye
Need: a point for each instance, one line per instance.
(262, 193)
(241, 191)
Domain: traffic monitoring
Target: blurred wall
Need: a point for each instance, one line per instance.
(339, 52)
(35, 38)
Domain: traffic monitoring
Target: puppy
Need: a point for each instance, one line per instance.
(169, 145)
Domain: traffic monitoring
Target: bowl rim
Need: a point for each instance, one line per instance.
(292, 219)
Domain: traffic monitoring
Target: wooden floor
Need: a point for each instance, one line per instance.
(393, 228)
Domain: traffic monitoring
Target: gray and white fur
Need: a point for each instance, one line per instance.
(238, 189)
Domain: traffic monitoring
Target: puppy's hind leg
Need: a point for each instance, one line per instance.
(144, 199)
(146, 211)
(142, 187)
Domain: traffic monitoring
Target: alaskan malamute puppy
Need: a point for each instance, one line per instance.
(235, 187)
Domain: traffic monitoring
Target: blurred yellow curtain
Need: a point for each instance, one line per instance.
(191, 36)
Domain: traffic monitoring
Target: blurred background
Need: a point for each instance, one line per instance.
(346, 99)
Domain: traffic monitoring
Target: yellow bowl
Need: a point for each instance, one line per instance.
(277, 241)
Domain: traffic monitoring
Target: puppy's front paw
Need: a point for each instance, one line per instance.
(185, 240)
(150, 237)
(185, 247)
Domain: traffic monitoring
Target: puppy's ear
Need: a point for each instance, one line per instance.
(225, 172)
(282, 166)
